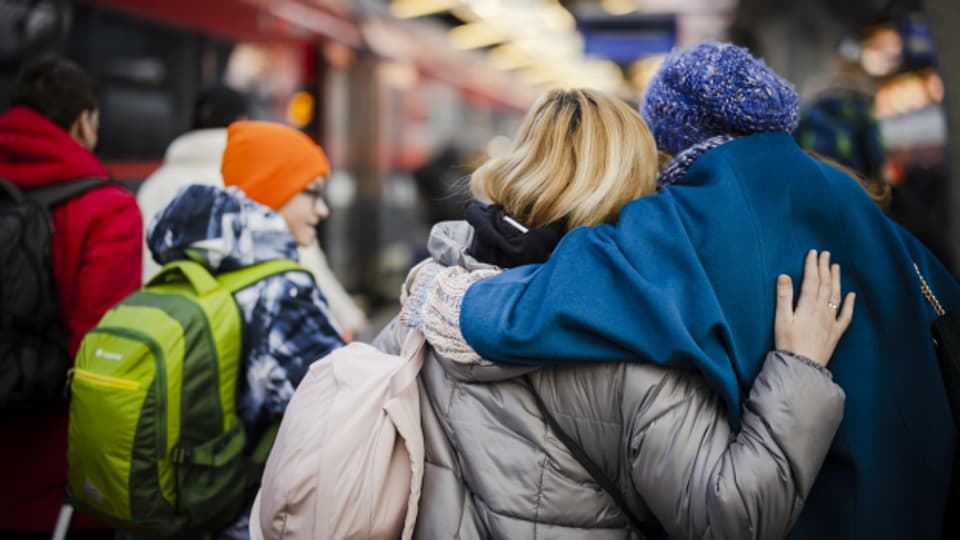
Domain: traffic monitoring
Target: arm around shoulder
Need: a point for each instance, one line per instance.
(703, 480)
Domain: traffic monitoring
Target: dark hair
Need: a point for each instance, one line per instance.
(218, 106)
(56, 88)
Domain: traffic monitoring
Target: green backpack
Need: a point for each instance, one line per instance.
(155, 447)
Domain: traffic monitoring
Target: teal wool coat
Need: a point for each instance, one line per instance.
(687, 278)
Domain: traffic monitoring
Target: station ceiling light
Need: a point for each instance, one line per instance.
(538, 38)
(475, 35)
(556, 17)
(641, 71)
(544, 74)
(407, 9)
(619, 7)
(510, 56)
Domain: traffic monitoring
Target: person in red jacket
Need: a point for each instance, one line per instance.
(47, 137)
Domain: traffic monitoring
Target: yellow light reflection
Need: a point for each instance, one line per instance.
(538, 74)
(507, 57)
(643, 70)
(486, 9)
(556, 17)
(618, 7)
(300, 109)
(475, 35)
(407, 9)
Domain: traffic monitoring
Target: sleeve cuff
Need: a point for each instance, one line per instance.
(441, 316)
(815, 365)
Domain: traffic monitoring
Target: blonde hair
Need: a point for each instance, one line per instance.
(579, 156)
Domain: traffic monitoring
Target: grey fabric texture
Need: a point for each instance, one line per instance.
(494, 469)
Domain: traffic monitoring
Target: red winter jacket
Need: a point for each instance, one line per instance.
(96, 247)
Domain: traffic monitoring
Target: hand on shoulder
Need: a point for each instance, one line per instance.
(814, 328)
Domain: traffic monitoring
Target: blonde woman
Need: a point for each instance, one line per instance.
(647, 445)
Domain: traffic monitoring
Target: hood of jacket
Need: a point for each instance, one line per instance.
(198, 148)
(35, 152)
(449, 244)
(221, 228)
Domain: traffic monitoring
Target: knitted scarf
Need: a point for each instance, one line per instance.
(677, 167)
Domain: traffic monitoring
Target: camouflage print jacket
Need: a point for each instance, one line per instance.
(287, 325)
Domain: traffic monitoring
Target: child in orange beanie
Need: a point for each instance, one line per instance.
(272, 202)
(278, 167)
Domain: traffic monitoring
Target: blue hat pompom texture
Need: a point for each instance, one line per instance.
(716, 89)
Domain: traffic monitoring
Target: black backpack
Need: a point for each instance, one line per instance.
(33, 342)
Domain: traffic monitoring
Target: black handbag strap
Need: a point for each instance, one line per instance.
(649, 530)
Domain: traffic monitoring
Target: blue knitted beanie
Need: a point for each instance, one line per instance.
(716, 89)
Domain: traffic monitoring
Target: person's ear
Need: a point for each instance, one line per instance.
(84, 129)
(76, 128)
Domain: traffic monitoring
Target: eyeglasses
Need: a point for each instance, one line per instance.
(316, 193)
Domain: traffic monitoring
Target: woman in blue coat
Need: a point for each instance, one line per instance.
(682, 279)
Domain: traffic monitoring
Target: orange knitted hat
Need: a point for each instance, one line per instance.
(270, 162)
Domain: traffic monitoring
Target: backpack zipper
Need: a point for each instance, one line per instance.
(104, 380)
(161, 378)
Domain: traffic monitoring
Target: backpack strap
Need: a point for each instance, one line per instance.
(195, 273)
(241, 279)
(55, 194)
(649, 530)
(10, 191)
(413, 354)
(204, 282)
(264, 445)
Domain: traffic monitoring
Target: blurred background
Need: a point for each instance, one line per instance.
(407, 96)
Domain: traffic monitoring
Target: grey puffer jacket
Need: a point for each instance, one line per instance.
(494, 469)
